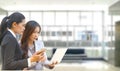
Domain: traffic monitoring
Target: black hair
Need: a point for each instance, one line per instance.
(8, 21)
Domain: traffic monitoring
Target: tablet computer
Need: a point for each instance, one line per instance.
(59, 54)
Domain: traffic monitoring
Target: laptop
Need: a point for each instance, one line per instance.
(59, 54)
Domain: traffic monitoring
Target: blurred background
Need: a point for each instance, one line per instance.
(85, 27)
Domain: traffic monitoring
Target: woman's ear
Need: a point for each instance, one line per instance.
(14, 24)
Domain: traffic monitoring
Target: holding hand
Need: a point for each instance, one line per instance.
(52, 65)
(38, 56)
(40, 52)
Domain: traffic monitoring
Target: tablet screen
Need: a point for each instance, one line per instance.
(58, 55)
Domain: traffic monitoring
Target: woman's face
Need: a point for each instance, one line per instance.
(19, 28)
(35, 34)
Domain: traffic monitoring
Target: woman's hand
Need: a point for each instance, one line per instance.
(52, 65)
(40, 52)
(25, 69)
(38, 56)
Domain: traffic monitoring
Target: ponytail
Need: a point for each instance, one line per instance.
(8, 21)
(3, 27)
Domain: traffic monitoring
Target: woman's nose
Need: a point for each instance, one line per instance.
(23, 28)
(36, 35)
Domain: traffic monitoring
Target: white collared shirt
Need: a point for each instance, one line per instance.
(12, 32)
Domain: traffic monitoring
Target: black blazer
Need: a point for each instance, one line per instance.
(11, 54)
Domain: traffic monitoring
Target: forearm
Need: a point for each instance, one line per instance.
(16, 65)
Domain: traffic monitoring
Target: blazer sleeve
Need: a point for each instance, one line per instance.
(10, 61)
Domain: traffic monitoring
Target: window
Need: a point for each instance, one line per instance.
(48, 18)
(27, 15)
(37, 16)
(86, 18)
(1, 17)
(61, 18)
(74, 18)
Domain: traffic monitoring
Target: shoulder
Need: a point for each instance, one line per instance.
(7, 38)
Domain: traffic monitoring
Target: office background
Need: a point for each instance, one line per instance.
(88, 26)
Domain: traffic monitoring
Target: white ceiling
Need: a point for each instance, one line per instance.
(16, 4)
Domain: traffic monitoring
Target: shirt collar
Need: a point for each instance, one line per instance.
(12, 33)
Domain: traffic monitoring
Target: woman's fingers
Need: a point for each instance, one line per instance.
(34, 58)
(41, 51)
(55, 62)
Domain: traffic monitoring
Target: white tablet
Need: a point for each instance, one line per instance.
(58, 55)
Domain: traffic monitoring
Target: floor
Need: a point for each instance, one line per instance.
(85, 66)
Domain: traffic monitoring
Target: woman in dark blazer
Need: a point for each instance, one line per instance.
(11, 53)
